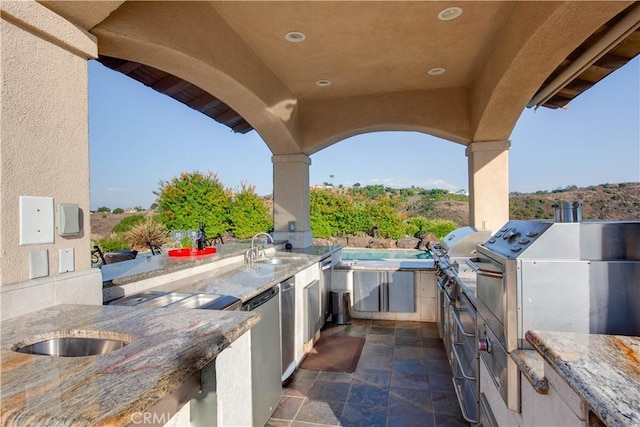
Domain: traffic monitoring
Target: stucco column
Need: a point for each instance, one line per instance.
(44, 154)
(291, 215)
(488, 163)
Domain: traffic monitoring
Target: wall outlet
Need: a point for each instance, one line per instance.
(66, 260)
(38, 263)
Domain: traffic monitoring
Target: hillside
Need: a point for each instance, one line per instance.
(606, 201)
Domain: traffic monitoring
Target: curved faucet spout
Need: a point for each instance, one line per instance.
(256, 253)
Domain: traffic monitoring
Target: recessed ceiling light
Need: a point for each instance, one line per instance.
(295, 36)
(323, 82)
(449, 13)
(436, 71)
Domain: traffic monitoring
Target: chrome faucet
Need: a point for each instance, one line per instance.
(256, 252)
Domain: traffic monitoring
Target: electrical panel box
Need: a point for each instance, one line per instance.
(68, 219)
(36, 220)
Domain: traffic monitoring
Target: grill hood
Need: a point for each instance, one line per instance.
(462, 241)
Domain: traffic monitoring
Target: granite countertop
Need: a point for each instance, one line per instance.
(531, 364)
(124, 272)
(244, 281)
(389, 265)
(604, 370)
(168, 347)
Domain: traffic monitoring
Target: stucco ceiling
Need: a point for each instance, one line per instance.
(377, 55)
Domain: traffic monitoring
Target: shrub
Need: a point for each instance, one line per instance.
(149, 231)
(128, 222)
(248, 214)
(103, 209)
(191, 198)
(118, 211)
(112, 243)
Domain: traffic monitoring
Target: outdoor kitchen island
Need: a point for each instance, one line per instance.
(148, 379)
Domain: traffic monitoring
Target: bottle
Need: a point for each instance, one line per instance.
(203, 237)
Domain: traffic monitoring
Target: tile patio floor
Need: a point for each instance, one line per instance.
(402, 379)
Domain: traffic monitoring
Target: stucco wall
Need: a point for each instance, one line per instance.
(44, 148)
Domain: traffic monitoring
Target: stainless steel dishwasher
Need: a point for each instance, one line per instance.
(288, 327)
(266, 388)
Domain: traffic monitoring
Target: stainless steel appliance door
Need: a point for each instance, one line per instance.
(326, 279)
(366, 291)
(401, 292)
(287, 327)
(266, 358)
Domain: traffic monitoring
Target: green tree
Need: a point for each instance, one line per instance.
(191, 198)
(248, 214)
(128, 222)
(103, 209)
(118, 211)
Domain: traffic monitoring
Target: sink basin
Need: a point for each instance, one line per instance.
(165, 300)
(73, 346)
(195, 301)
(277, 260)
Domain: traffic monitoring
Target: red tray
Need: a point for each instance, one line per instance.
(188, 252)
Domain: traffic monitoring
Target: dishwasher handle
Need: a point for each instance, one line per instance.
(287, 286)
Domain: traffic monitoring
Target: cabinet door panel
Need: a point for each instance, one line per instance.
(401, 291)
(366, 291)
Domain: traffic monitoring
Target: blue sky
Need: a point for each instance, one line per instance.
(138, 138)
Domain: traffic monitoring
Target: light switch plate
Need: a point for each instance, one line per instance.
(66, 260)
(36, 220)
(38, 263)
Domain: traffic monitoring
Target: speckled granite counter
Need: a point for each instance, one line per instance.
(531, 364)
(244, 281)
(137, 269)
(604, 370)
(389, 265)
(168, 348)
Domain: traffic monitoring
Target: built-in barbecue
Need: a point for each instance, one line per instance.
(544, 275)
(457, 312)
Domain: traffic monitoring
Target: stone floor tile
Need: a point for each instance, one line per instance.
(374, 350)
(439, 367)
(287, 407)
(368, 395)
(449, 420)
(378, 339)
(320, 412)
(329, 391)
(409, 324)
(409, 341)
(381, 330)
(298, 387)
(434, 343)
(374, 362)
(383, 323)
(413, 366)
(411, 419)
(337, 377)
(445, 402)
(409, 380)
(277, 423)
(404, 352)
(306, 373)
(408, 332)
(405, 399)
(355, 415)
(376, 377)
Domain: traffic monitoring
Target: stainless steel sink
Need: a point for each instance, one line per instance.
(165, 300)
(138, 298)
(277, 260)
(73, 346)
(195, 301)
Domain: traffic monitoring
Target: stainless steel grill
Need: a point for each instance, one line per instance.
(457, 313)
(571, 277)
